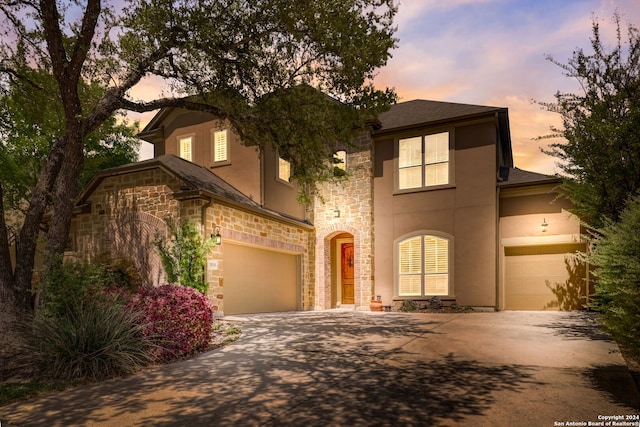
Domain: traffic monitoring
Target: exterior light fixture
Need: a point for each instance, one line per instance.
(217, 238)
(544, 225)
(336, 212)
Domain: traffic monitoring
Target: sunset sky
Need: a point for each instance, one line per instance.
(492, 52)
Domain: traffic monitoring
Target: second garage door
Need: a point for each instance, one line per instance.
(543, 278)
(259, 280)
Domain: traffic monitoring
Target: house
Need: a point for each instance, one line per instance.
(433, 207)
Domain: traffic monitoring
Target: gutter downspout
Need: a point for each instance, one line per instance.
(203, 221)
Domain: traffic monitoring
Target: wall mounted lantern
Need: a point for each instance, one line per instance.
(336, 212)
(544, 225)
(217, 238)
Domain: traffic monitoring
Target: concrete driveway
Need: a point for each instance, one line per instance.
(366, 369)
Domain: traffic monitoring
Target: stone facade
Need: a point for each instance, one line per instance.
(347, 207)
(124, 213)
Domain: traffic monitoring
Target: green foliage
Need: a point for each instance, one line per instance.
(93, 338)
(69, 284)
(601, 127)
(184, 255)
(27, 131)
(408, 305)
(616, 255)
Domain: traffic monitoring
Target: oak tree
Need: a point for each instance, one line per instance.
(253, 62)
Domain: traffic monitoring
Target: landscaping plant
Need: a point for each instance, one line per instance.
(178, 320)
(93, 338)
(616, 253)
(184, 255)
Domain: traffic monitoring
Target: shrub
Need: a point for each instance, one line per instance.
(408, 305)
(70, 282)
(177, 319)
(90, 338)
(185, 255)
(616, 255)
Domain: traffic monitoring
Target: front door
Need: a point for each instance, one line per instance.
(346, 263)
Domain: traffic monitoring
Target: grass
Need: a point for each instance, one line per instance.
(13, 391)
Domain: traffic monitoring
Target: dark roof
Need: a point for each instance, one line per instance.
(417, 112)
(515, 177)
(196, 178)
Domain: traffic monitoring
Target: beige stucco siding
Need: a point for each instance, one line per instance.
(465, 210)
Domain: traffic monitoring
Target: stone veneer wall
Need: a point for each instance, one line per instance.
(260, 231)
(354, 199)
(128, 211)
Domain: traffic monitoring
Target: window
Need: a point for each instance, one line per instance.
(340, 160)
(423, 266)
(423, 161)
(284, 169)
(185, 147)
(220, 147)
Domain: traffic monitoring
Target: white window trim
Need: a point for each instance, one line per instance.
(227, 161)
(396, 265)
(179, 139)
(451, 162)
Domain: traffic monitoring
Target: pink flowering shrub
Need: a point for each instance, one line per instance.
(178, 319)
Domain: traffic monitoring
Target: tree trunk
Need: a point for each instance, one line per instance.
(28, 238)
(7, 284)
(65, 199)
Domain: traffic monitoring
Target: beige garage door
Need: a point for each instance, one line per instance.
(258, 280)
(543, 278)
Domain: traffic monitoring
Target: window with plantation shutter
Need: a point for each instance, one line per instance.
(423, 161)
(185, 147)
(423, 266)
(284, 169)
(220, 146)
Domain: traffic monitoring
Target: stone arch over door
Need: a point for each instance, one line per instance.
(323, 262)
(131, 236)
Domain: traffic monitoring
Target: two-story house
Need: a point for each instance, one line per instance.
(433, 207)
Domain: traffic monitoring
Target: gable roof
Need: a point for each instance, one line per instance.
(419, 111)
(197, 179)
(415, 114)
(515, 177)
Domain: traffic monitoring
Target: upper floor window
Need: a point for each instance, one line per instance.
(220, 146)
(423, 161)
(185, 147)
(284, 169)
(423, 266)
(340, 160)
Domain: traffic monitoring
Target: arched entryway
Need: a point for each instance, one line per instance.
(342, 271)
(338, 268)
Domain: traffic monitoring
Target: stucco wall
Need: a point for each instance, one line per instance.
(465, 210)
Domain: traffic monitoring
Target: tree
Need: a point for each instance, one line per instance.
(238, 59)
(616, 255)
(600, 153)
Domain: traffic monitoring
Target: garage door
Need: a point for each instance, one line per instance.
(543, 278)
(259, 280)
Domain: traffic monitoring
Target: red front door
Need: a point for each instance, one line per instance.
(346, 263)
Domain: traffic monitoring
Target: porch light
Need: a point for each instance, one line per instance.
(336, 212)
(217, 238)
(544, 225)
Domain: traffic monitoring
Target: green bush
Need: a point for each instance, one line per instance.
(71, 283)
(616, 255)
(92, 338)
(184, 255)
